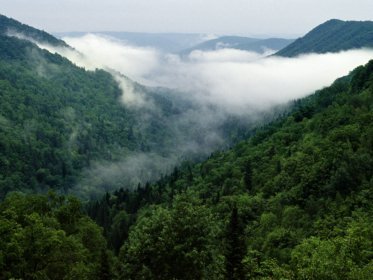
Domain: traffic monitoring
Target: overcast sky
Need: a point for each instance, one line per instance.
(241, 17)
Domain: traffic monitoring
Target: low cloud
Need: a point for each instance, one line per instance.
(107, 176)
(234, 80)
(239, 81)
(223, 86)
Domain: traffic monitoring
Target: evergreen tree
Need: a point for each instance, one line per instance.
(235, 247)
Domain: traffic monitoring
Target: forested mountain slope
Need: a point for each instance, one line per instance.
(292, 202)
(56, 118)
(332, 36)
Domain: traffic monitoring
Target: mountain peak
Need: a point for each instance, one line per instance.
(333, 35)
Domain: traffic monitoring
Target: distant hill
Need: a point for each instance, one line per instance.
(167, 42)
(241, 43)
(332, 36)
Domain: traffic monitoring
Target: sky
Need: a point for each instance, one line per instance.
(286, 18)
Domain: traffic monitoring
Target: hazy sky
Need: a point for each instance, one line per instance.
(245, 17)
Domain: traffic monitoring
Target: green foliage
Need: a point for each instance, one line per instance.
(235, 249)
(57, 120)
(174, 243)
(294, 201)
(300, 186)
(347, 256)
(47, 237)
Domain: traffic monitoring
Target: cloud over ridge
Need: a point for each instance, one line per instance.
(233, 79)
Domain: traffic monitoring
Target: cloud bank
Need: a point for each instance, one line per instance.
(234, 80)
(224, 86)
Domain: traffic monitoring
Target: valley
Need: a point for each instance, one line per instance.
(129, 155)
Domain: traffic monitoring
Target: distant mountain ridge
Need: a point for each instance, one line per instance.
(332, 36)
(167, 42)
(241, 43)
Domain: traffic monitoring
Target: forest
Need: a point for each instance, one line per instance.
(291, 202)
(59, 120)
(290, 198)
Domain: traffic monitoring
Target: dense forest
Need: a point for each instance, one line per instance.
(291, 202)
(332, 36)
(58, 120)
(47, 131)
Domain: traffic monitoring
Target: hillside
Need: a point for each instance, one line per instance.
(56, 119)
(291, 202)
(63, 127)
(241, 43)
(332, 36)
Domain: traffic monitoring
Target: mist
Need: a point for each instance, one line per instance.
(219, 86)
(234, 80)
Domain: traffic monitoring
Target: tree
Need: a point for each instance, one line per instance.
(235, 247)
(248, 175)
(174, 243)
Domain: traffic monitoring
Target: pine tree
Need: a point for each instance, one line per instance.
(235, 247)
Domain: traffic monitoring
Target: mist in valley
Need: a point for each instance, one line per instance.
(216, 96)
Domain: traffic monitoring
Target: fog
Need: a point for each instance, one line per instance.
(220, 85)
(232, 79)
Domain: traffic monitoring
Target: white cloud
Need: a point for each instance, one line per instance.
(238, 80)
(101, 52)
(223, 83)
(233, 79)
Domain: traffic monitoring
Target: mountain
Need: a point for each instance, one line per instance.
(241, 43)
(291, 202)
(57, 119)
(68, 129)
(332, 36)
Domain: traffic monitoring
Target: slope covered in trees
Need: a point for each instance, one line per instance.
(56, 118)
(332, 36)
(291, 202)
